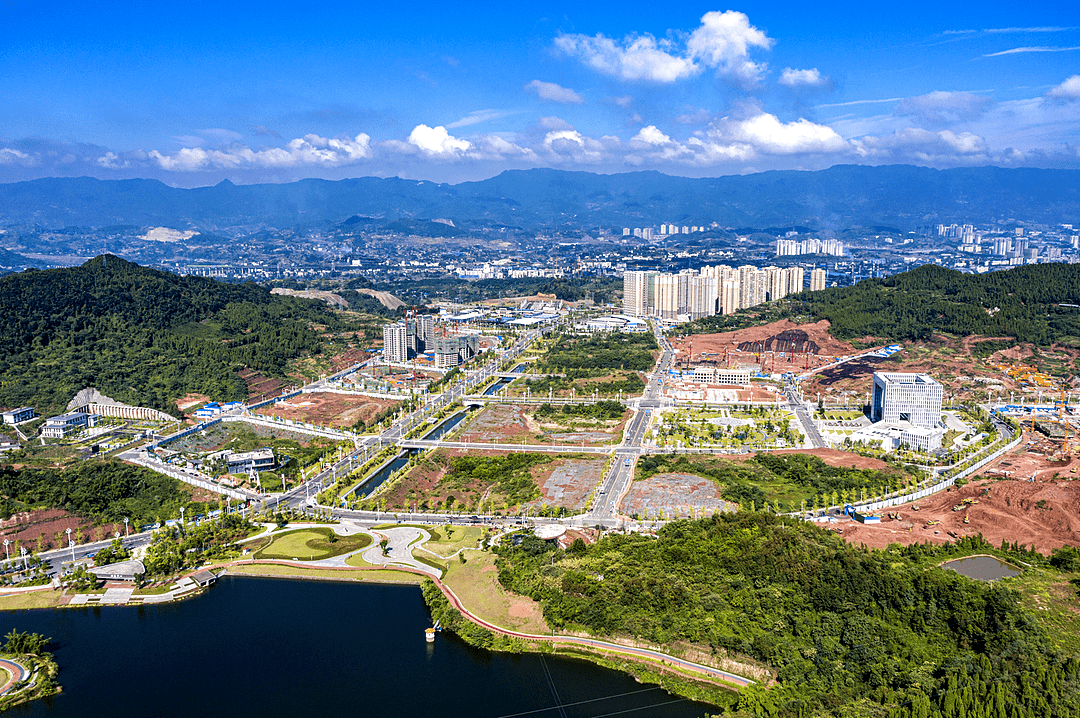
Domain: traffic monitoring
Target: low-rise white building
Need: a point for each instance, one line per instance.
(17, 416)
(58, 427)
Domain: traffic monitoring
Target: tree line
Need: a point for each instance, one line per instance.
(847, 630)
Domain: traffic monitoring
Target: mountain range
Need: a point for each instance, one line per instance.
(843, 196)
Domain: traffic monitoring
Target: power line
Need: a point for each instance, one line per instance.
(551, 683)
(578, 703)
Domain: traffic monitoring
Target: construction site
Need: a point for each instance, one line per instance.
(777, 348)
(1044, 514)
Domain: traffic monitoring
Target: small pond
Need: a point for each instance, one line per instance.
(982, 568)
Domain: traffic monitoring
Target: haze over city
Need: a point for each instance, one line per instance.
(258, 92)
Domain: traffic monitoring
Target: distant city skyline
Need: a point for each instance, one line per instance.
(273, 93)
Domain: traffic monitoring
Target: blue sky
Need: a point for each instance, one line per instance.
(267, 92)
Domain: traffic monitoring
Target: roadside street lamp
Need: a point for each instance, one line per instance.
(25, 563)
(7, 550)
(72, 545)
(181, 514)
(126, 534)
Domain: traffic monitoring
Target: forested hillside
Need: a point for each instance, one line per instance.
(142, 336)
(1021, 303)
(848, 631)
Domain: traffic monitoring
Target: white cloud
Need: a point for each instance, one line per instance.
(570, 146)
(623, 101)
(1041, 48)
(1068, 90)
(555, 93)
(945, 148)
(802, 78)
(767, 134)
(722, 41)
(437, 142)
(636, 58)
(652, 144)
(477, 116)
(555, 123)
(307, 150)
(1027, 29)
(939, 107)
(10, 156)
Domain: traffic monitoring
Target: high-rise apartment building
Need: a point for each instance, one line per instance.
(817, 279)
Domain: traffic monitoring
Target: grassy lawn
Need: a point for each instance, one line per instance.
(312, 544)
(380, 576)
(459, 537)
(476, 583)
(34, 599)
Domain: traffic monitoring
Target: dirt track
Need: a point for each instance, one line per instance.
(1043, 514)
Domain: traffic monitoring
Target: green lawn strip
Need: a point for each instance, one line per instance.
(312, 544)
(377, 576)
(32, 599)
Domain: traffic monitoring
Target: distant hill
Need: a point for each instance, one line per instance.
(1024, 303)
(142, 336)
(898, 196)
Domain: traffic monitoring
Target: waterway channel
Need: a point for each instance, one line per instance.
(264, 648)
(376, 479)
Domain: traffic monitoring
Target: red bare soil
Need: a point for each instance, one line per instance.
(326, 408)
(708, 346)
(260, 387)
(1045, 515)
(26, 527)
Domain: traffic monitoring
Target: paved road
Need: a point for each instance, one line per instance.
(399, 551)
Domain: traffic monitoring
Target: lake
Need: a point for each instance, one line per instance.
(265, 647)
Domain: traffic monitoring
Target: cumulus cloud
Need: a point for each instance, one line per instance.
(940, 107)
(554, 92)
(944, 148)
(802, 78)
(1068, 90)
(723, 41)
(437, 142)
(652, 144)
(307, 150)
(766, 134)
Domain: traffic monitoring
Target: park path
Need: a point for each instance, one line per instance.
(17, 671)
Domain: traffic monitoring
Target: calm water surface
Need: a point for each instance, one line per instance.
(268, 647)
(982, 568)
